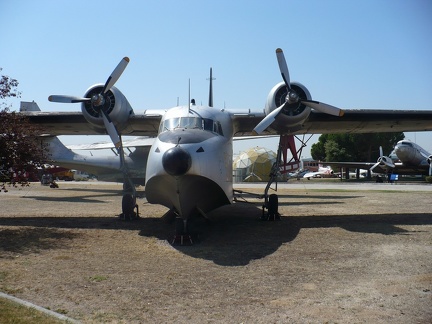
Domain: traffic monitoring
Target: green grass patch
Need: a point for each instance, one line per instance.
(98, 278)
(11, 312)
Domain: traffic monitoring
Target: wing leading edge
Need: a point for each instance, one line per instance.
(353, 121)
(74, 123)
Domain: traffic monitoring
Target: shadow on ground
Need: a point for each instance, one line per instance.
(233, 236)
(25, 240)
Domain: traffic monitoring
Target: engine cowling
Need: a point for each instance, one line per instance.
(293, 115)
(116, 106)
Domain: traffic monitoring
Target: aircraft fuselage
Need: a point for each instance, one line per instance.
(189, 168)
(410, 153)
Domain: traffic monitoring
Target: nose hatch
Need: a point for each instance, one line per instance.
(176, 161)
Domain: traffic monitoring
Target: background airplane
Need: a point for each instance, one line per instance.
(189, 167)
(411, 159)
(322, 172)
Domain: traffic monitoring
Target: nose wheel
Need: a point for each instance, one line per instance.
(182, 235)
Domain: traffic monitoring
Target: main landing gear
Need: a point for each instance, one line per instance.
(271, 202)
(129, 206)
(272, 209)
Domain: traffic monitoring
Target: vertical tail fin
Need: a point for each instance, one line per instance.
(57, 150)
(29, 106)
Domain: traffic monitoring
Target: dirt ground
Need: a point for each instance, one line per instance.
(337, 256)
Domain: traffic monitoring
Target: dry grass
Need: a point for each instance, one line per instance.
(347, 256)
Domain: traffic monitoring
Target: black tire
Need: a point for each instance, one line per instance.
(273, 207)
(128, 205)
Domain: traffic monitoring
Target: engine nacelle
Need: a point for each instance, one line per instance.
(116, 106)
(293, 115)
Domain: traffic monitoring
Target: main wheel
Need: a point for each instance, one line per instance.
(128, 205)
(273, 207)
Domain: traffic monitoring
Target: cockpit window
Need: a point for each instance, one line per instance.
(407, 143)
(206, 124)
(190, 122)
(171, 123)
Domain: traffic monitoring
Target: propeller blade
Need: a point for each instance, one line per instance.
(115, 75)
(324, 108)
(372, 169)
(430, 169)
(111, 130)
(67, 99)
(381, 151)
(267, 121)
(388, 162)
(283, 67)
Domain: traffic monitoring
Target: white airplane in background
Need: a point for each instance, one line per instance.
(412, 159)
(322, 172)
(189, 166)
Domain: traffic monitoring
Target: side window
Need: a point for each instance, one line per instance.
(218, 128)
(208, 124)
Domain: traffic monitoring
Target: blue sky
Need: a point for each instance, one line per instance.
(351, 54)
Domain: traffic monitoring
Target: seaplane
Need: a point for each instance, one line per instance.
(189, 163)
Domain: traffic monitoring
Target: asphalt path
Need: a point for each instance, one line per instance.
(336, 185)
(314, 184)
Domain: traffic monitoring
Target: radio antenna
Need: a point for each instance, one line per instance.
(189, 99)
(211, 88)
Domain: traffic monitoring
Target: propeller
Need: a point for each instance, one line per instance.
(67, 99)
(383, 162)
(267, 121)
(98, 100)
(291, 98)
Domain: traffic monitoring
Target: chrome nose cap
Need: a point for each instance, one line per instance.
(176, 161)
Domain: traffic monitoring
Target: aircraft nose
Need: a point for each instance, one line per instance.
(176, 161)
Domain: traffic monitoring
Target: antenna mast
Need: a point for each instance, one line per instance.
(211, 88)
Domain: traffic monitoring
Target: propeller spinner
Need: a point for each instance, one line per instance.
(292, 97)
(98, 100)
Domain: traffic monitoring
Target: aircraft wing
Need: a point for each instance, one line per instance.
(135, 142)
(141, 141)
(351, 165)
(353, 121)
(74, 123)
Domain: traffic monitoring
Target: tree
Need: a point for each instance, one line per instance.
(354, 147)
(20, 145)
(8, 87)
